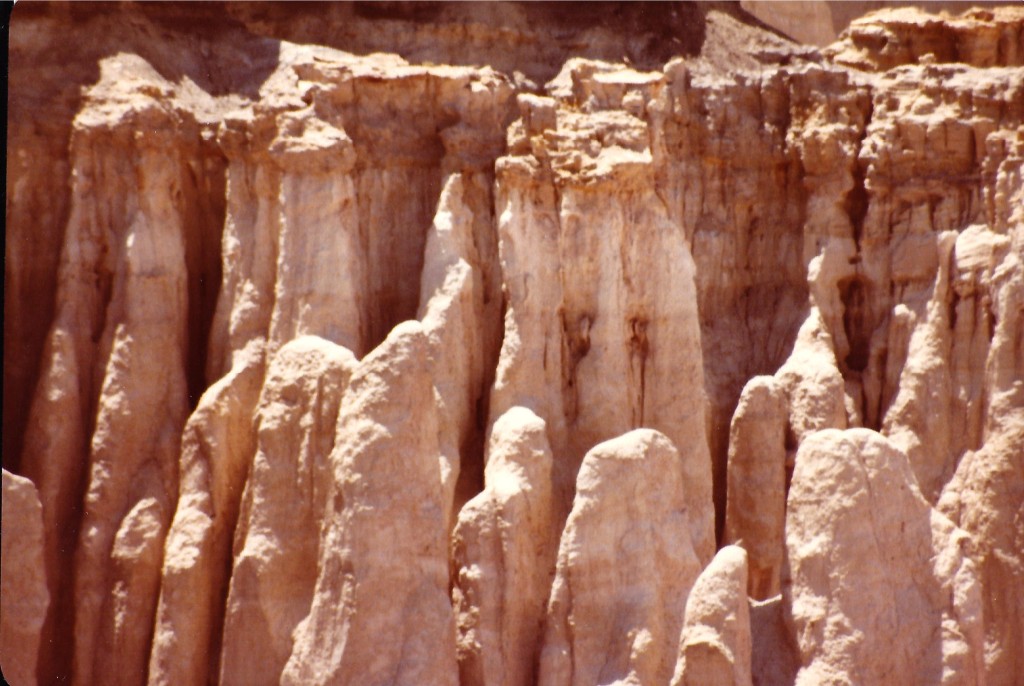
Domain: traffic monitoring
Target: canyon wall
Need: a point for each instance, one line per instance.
(485, 344)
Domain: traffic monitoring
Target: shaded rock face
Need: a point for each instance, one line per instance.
(482, 329)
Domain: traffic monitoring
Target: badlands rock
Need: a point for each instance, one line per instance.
(774, 659)
(218, 215)
(715, 644)
(625, 568)
(987, 37)
(985, 499)
(388, 502)
(104, 412)
(503, 554)
(873, 566)
(216, 450)
(278, 537)
(756, 511)
(593, 296)
(22, 585)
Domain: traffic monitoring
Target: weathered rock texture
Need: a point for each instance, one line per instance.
(22, 586)
(480, 327)
(856, 520)
(715, 646)
(504, 555)
(625, 568)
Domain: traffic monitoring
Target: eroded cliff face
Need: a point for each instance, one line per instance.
(641, 348)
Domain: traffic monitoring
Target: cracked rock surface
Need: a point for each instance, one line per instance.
(478, 344)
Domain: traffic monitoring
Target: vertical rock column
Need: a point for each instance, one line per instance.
(22, 580)
(278, 536)
(141, 407)
(216, 449)
(387, 505)
(289, 234)
(756, 504)
(602, 334)
(107, 415)
(986, 494)
(503, 557)
(218, 443)
(715, 646)
(625, 568)
(452, 311)
(881, 587)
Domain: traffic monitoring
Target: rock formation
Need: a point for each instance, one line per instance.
(715, 646)
(23, 588)
(482, 327)
(277, 541)
(388, 502)
(504, 552)
(856, 520)
(626, 564)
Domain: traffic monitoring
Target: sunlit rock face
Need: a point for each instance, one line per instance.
(401, 344)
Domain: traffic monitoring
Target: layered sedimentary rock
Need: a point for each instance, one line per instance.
(656, 259)
(601, 331)
(104, 414)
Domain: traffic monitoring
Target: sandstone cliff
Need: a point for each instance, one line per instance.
(401, 344)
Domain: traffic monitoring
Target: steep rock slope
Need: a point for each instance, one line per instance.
(488, 347)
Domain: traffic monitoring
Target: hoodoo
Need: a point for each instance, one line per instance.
(502, 344)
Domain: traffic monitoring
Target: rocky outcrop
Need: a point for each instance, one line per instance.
(388, 501)
(989, 37)
(24, 589)
(756, 509)
(104, 414)
(577, 187)
(216, 450)
(626, 565)
(278, 537)
(503, 554)
(715, 645)
(481, 327)
(856, 520)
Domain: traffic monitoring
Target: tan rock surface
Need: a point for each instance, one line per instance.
(715, 646)
(981, 37)
(216, 451)
(133, 244)
(503, 555)
(601, 331)
(388, 502)
(22, 580)
(277, 541)
(984, 499)
(625, 568)
(756, 509)
(689, 224)
(873, 566)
